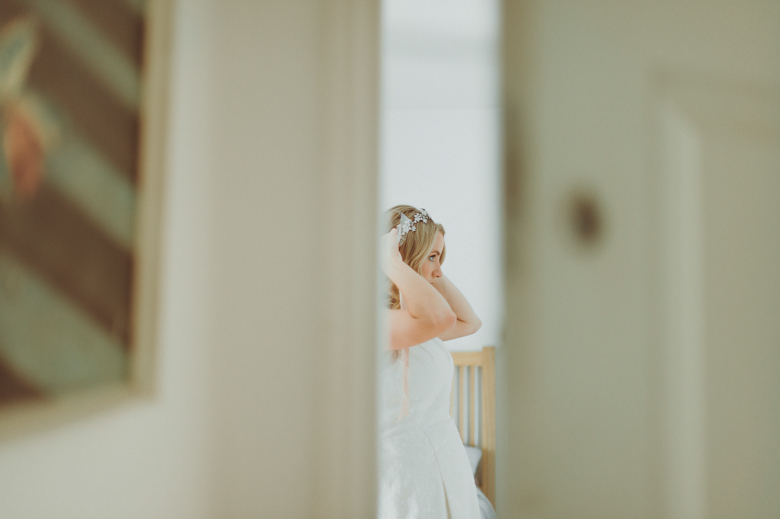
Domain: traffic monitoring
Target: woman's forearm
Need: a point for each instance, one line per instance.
(422, 300)
(457, 302)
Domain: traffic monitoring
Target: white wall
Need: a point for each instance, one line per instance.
(440, 138)
(150, 458)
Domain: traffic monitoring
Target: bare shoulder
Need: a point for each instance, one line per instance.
(407, 331)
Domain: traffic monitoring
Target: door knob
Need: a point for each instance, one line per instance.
(585, 218)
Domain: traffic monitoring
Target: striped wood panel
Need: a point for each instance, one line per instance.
(67, 251)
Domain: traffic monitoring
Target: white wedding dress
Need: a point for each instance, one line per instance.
(424, 471)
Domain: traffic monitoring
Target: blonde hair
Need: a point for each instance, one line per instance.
(415, 247)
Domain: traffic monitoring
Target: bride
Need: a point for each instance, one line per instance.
(424, 472)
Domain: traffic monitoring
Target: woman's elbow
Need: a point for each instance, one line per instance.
(476, 325)
(445, 320)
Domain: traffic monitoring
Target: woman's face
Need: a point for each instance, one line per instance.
(431, 265)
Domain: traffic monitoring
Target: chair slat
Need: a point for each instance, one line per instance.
(453, 396)
(472, 417)
(461, 406)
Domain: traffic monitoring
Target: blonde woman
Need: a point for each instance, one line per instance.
(424, 469)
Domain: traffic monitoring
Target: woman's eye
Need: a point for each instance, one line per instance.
(432, 257)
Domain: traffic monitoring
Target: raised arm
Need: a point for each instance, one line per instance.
(425, 314)
(467, 321)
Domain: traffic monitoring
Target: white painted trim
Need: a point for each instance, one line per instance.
(677, 311)
(151, 184)
(346, 471)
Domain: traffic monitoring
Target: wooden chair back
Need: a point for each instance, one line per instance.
(473, 405)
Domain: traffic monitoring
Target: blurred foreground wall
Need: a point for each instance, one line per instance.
(149, 458)
(643, 179)
(265, 392)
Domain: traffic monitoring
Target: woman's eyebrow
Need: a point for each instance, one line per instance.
(436, 252)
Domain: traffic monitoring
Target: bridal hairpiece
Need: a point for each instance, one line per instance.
(410, 224)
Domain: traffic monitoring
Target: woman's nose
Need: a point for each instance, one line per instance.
(437, 272)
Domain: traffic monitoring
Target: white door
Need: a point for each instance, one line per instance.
(643, 311)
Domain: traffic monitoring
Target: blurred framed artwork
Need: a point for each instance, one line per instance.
(82, 101)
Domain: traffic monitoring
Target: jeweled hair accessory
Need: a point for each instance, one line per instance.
(410, 224)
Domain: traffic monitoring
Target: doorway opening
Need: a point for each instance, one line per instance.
(440, 149)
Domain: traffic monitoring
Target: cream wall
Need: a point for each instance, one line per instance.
(149, 458)
(294, 266)
(267, 246)
(294, 235)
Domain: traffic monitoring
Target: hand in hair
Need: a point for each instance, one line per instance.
(390, 252)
